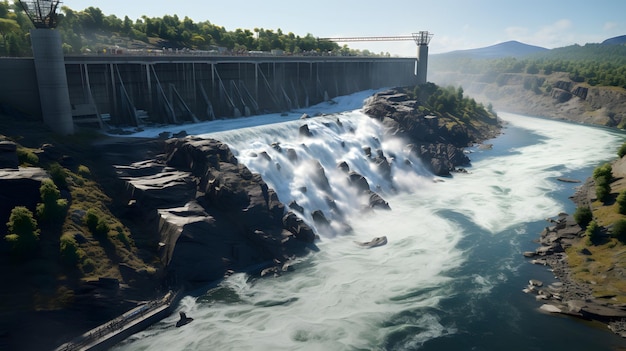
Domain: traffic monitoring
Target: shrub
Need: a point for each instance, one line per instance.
(619, 230)
(58, 175)
(621, 202)
(622, 150)
(96, 224)
(23, 232)
(52, 208)
(603, 187)
(102, 229)
(68, 247)
(592, 232)
(91, 219)
(606, 170)
(583, 216)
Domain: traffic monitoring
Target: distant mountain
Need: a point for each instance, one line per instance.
(621, 40)
(507, 49)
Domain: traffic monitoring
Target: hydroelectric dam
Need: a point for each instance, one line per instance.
(136, 90)
(121, 89)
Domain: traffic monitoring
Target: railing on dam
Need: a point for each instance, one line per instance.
(143, 89)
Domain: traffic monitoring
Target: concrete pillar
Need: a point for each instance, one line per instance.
(422, 64)
(52, 80)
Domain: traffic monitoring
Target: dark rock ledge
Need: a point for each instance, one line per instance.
(569, 296)
(211, 214)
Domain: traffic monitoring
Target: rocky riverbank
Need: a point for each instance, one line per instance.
(571, 296)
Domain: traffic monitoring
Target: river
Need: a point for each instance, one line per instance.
(452, 273)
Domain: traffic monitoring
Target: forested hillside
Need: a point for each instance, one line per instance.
(594, 64)
(92, 31)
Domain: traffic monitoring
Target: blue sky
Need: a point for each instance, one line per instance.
(456, 24)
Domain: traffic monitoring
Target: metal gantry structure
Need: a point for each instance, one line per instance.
(43, 13)
(420, 38)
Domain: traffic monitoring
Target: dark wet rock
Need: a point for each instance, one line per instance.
(265, 155)
(294, 206)
(304, 131)
(368, 151)
(298, 227)
(8, 155)
(358, 181)
(180, 134)
(376, 201)
(343, 166)
(292, 155)
(276, 146)
(319, 176)
(320, 219)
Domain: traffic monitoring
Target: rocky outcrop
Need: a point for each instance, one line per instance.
(438, 141)
(213, 215)
(19, 187)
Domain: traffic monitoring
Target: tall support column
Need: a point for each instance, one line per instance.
(52, 80)
(422, 39)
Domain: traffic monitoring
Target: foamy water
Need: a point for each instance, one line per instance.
(450, 276)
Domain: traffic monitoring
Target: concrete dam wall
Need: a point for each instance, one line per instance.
(137, 90)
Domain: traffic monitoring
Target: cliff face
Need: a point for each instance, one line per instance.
(553, 96)
(213, 215)
(438, 141)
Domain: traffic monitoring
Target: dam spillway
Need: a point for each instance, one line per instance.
(166, 89)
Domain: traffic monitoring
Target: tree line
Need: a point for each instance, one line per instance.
(91, 30)
(594, 64)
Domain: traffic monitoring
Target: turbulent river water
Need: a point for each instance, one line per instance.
(452, 273)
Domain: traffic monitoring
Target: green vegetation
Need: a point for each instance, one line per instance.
(603, 176)
(26, 157)
(23, 232)
(90, 30)
(622, 150)
(592, 232)
(70, 252)
(439, 101)
(621, 202)
(52, 208)
(96, 224)
(583, 216)
(594, 64)
(619, 230)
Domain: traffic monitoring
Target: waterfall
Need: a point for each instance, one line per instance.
(333, 164)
